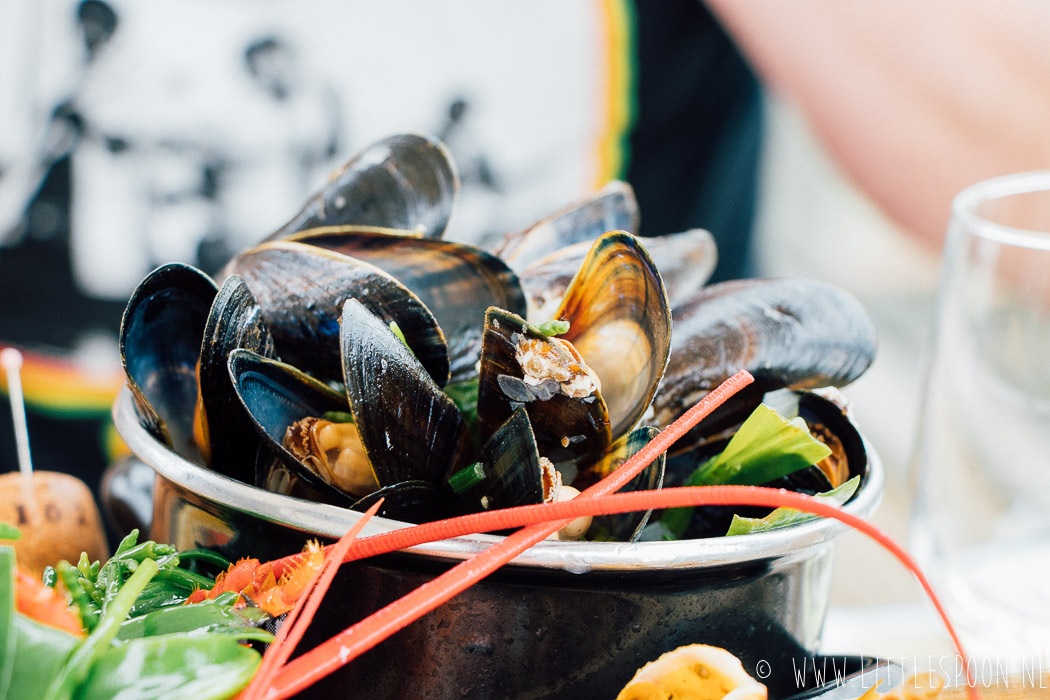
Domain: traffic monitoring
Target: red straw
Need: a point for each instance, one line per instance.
(362, 636)
(307, 669)
(300, 616)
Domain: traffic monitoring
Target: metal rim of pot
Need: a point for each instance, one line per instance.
(578, 557)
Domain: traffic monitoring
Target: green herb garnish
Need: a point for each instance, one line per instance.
(9, 532)
(338, 416)
(467, 477)
(554, 327)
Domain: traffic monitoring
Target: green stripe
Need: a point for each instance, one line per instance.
(631, 89)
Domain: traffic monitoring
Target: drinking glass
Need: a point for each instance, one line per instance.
(981, 518)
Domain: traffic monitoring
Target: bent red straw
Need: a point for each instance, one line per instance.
(360, 637)
(363, 636)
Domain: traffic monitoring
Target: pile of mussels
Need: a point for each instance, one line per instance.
(355, 353)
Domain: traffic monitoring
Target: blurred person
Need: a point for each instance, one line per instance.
(915, 101)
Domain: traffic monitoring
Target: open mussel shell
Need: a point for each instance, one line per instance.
(612, 208)
(409, 428)
(623, 527)
(412, 501)
(568, 429)
(406, 181)
(511, 462)
(620, 323)
(456, 282)
(301, 289)
(685, 261)
(275, 396)
(828, 417)
(160, 345)
(235, 321)
(827, 414)
(792, 333)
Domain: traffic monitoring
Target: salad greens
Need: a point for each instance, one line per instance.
(143, 642)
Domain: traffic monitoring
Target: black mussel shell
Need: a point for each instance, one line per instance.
(792, 333)
(620, 323)
(685, 261)
(160, 345)
(276, 395)
(410, 429)
(568, 430)
(405, 181)
(455, 281)
(301, 290)
(612, 208)
(511, 461)
(623, 527)
(408, 501)
(235, 321)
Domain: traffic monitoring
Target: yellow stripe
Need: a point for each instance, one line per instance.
(58, 385)
(615, 97)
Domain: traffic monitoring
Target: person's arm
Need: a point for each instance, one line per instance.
(916, 99)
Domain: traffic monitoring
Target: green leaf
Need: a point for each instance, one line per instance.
(783, 517)
(40, 651)
(208, 616)
(465, 396)
(396, 330)
(765, 448)
(78, 665)
(202, 667)
(7, 613)
(9, 532)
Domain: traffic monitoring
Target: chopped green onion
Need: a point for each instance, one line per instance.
(338, 416)
(467, 477)
(555, 327)
(9, 532)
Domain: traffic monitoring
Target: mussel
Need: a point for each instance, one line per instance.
(827, 415)
(405, 181)
(456, 282)
(612, 208)
(160, 345)
(592, 383)
(792, 333)
(685, 261)
(301, 290)
(355, 355)
(226, 437)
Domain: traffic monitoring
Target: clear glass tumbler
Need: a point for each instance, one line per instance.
(981, 519)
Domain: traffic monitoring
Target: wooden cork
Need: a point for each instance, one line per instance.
(57, 516)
